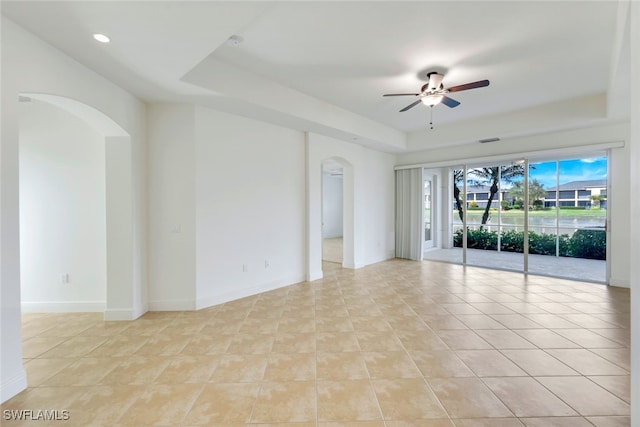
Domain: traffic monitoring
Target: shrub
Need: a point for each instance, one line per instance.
(512, 241)
(542, 244)
(457, 239)
(483, 239)
(564, 245)
(589, 244)
(477, 239)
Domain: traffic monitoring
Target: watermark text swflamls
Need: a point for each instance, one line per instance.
(35, 415)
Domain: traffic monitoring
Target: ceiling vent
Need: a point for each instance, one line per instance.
(484, 141)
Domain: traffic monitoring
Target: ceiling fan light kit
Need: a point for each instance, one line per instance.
(433, 93)
(432, 100)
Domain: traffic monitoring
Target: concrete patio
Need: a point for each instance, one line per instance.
(568, 268)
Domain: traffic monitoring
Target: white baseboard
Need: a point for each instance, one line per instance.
(348, 264)
(620, 283)
(314, 275)
(172, 305)
(372, 261)
(116, 315)
(13, 385)
(209, 301)
(139, 311)
(63, 306)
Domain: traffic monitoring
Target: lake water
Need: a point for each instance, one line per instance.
(566, 223)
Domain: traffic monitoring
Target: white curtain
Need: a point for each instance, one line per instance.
(409, 213)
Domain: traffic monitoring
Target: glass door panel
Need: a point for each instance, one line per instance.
(544, 237)
(493, 222)
(567, 235)
(511, 213)
(428, 212)
(582, 217)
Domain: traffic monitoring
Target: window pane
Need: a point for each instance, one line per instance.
(543, 217)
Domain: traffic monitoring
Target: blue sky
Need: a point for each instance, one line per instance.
(570, 170)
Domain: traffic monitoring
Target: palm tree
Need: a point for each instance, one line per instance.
(458, 176)
(492, 176)
(536, 191)
(597, 200)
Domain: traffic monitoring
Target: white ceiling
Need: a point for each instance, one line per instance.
(323, 66)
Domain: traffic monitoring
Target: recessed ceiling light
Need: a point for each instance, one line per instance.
(101, 38)
(235, 40)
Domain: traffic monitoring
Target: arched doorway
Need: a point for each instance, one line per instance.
(337, 226)
(118, 204)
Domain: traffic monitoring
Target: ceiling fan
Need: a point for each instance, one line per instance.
(433, 92)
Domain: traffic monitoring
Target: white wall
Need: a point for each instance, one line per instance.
(172, 207)
(31, 66)
(250, 205)
(579, 141)
(369, 201)
(375, 213)
(634, 190)
(245, 180)
(331, 206)
(62, 211)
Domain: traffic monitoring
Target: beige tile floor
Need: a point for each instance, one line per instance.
(395, 344)
(332, 249)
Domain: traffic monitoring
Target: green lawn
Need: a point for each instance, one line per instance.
(543, 213)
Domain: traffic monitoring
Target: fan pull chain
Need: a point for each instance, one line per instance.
(431, 117)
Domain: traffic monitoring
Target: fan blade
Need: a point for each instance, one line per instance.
(401, 94)
(449, 102)
(481, 83)
(410, 106)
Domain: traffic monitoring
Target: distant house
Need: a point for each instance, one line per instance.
(577, 193)
(480, 195)
(574, 193)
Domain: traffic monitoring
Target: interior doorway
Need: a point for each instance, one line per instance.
(62, 211)
(70, 282)
(332, 212)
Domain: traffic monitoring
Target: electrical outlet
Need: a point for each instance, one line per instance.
(266, 263)
(65, 278)
(245, 268)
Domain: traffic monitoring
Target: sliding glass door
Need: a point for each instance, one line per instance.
(559, 205)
